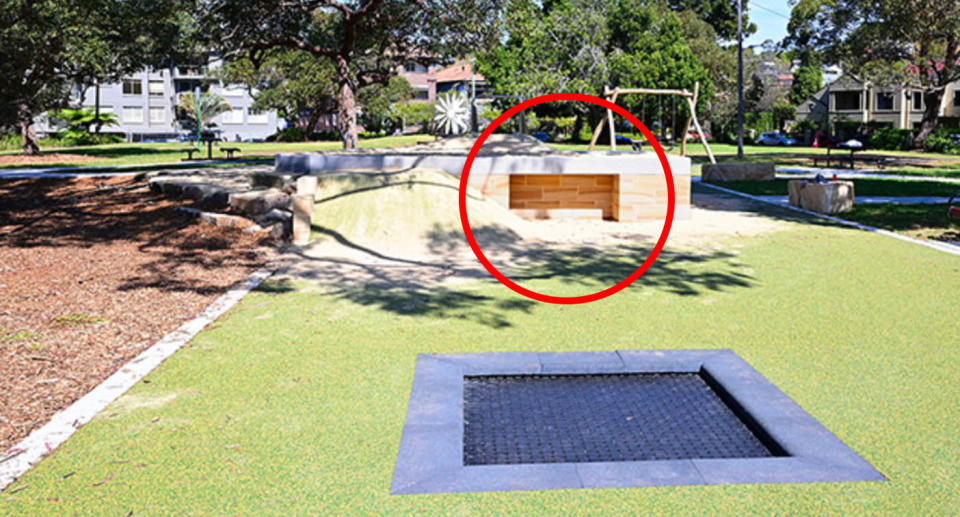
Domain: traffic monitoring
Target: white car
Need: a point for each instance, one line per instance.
(775, 138)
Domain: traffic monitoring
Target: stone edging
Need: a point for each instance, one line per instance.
(22, 456)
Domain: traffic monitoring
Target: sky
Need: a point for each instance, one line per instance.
(771, 17)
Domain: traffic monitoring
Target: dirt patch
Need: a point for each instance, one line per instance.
(92, 271)
(42, 159)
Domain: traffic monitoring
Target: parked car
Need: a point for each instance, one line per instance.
(775, 138)
(693, 135)
(542, 136)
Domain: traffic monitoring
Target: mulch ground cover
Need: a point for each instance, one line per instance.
(92, 271)
(43, 159)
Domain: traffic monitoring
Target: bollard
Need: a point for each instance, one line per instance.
(302, 215)
(307, 185)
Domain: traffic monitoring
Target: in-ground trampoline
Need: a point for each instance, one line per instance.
(529, 421)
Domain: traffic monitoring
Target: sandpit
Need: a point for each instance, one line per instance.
(532, 179)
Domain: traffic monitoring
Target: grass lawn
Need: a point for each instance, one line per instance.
(294, 402)
(922, 221)
(862, 187)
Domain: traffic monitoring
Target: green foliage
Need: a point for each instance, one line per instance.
(886, 41)
(79, 125)
(204, 109)
(892, 139)
(560, 128)
(649, 51)
(414, 113)
(380, 103)
(48, 46)
(9, 142)
(369, 40)
(940, 141)
(299, 85)
(719, 14)
(580, 46)
(807, 78)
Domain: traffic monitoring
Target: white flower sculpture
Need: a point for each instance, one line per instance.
(452, 115)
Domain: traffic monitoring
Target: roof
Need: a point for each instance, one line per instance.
(461, 70)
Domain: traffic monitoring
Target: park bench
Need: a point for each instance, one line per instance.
(230, 151)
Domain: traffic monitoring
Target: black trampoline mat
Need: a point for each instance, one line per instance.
(521, 419)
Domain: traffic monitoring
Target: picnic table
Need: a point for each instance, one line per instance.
(879, 161)
(210, 141)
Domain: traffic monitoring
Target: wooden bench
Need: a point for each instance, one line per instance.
(189, 151)
(230, 151)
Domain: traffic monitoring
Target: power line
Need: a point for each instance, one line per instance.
(755, 4)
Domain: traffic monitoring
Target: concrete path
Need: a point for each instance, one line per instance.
(810, 172)
(872, 200)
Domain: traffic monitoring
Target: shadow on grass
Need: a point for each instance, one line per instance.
(418, 288)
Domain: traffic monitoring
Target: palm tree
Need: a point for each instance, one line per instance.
(205, 108)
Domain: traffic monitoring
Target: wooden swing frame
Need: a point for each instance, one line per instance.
(690, 97)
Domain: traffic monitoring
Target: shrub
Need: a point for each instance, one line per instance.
(287, 134)
(940, 141)
(10, 142)
(892, 139)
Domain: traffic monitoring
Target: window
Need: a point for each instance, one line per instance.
(422, 94)
(158, 114)
(234, 116)
(133, 114)
(412, 66)
(917, 101)
(103, 109)
(132, 87)
(846, 100)
(155, 88)
(257, 118)
(884, 101)
(956, 98)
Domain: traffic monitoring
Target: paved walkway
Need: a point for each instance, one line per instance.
(872, 200)
(810, 172)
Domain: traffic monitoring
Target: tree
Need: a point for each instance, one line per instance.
(48, 46)
(379, 102)
(807, 78)
(299, 85)
(367, 40)
(200, 110)
(913, 42)
(720, 14)
(581, 45)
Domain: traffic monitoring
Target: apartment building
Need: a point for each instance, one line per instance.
(850, 99)
(145, 105)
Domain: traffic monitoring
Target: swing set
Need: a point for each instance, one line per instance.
(689, 97)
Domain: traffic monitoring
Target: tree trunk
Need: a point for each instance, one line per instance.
(931, 114)
(29, 136)
(311, 123)
(578, 121)
(346, 105)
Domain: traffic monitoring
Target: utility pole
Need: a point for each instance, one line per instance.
(739, 79)
(473, 96)
(196, 106)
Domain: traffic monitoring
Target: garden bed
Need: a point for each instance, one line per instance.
(93, 271)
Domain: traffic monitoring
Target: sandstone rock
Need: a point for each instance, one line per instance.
(832, 197)
(256, 202)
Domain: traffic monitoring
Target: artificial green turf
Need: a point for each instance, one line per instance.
(862, 187)
(294, 402)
